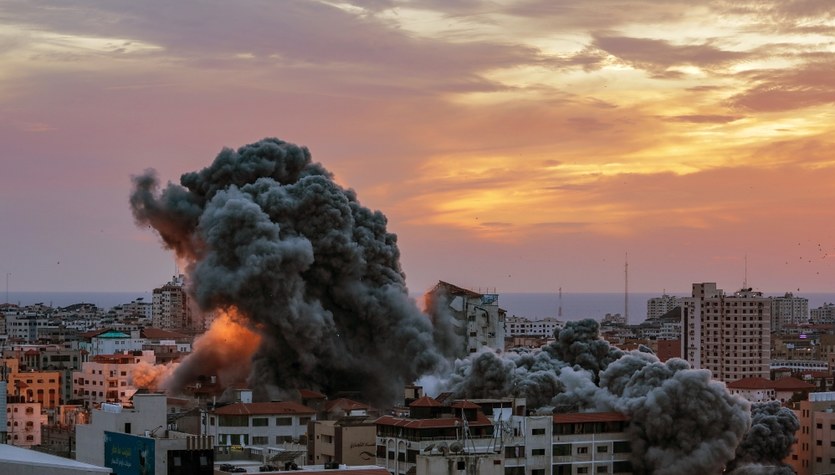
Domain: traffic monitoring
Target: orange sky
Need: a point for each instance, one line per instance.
(521, 145)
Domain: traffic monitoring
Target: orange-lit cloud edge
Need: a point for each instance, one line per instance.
(687, 133)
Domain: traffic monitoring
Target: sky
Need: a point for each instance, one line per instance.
(521, 146)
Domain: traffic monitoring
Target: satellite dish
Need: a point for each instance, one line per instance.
(456, 447)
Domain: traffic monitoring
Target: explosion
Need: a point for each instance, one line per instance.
(314, 298)
(316, 274)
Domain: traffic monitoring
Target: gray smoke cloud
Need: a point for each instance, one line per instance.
(768, 442)
(316, 274)
(681, 421)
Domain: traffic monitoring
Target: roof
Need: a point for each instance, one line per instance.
(464, 404)
(438, 423)
(454, 289)
(310, 394)
(782, 384)
(576, 417)
(353, 470)
(793, 384)
(11, 455)
(263, 408)
(425, 401)
(345, 404)
(160, 334)
(750, 383)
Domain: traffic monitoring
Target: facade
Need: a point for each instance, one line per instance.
(814, 451)
(658, 306)
(474, 317)
(108, 378)
(110, 342)
(788, 310)
(590, 443)
(171, 307)
(259, 423)
(49, 358)
(24, 421)
(825, 314)
(25, 326)
(728, 335)
(142, 427)
(521, 326)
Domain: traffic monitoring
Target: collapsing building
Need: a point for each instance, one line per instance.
(474, 318)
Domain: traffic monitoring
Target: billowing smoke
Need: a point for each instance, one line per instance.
(681, 421)
(768, 442)
(315, 274)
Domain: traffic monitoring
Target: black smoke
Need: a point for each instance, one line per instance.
(681, 421)
(768, 442)
(316, 274)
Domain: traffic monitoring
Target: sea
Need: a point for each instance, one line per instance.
(535, 306)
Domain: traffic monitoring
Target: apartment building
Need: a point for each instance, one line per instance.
(788, 310)
(730, 335)
(170, 307)
(259, 423)
(521, 326)
(658, 306)
(24, 420)
(108, 378)
(814, 451)
(475, 317)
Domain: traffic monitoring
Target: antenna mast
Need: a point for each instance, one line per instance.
(626, 288)
(559, 308)
(745, 277)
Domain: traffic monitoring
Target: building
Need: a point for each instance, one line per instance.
(788, 310)
(474, 317)
(521, 326)
(24, 421)
(259, 423)
(658, 306)
(344, 433)
(49, 357)
(171, 307)
(590, 443)
(457, 428)
(108, 378)
(129, 439)
(823, 315)
(730, 335)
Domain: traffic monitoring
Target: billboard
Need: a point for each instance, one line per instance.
(129, 454)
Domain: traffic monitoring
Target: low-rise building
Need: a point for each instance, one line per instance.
(259, 423)
(108, 378)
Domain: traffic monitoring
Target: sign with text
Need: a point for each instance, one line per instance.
(129, 454)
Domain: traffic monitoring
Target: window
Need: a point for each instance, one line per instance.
(602, 449)
(582, 450)
(621, 447)
(283, 421)
(538, 432)
(260, 421)
(536, 452)
(260, 440)
(582, 470)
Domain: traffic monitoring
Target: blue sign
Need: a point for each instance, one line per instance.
(129, 454)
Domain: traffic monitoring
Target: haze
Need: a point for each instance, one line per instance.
(522, 146)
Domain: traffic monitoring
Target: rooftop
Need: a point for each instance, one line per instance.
(264, 408)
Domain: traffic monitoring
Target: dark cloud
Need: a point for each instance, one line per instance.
(654, 54)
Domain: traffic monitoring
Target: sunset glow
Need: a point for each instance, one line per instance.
(544, 138)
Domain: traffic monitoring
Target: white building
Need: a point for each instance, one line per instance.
(658, 306)
(728, 335)
(788, 310)
(24, 325)
(475, 317)
(109, 342)
(825, 314)
(259, 423)
(108, 378)
(143, 425)
(521, 326)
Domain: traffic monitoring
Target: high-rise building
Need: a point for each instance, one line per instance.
(825, 314)
(171, 307)
(658, 306)
(730, 335)
(788, 310)
(475, 317)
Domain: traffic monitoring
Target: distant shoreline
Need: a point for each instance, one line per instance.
(533, 305)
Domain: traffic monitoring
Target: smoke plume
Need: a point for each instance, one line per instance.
(315, 274)
(768, 442)
(681, 421)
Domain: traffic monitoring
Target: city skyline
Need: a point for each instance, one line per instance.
(521, 146)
